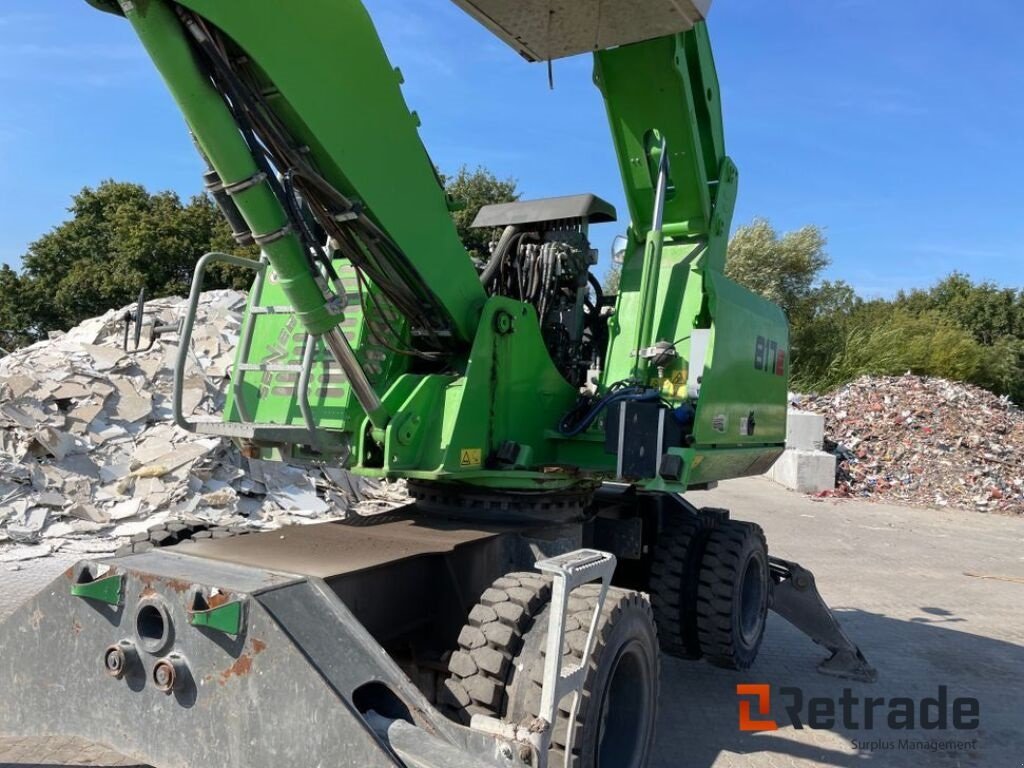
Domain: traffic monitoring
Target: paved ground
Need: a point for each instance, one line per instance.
(899, 581)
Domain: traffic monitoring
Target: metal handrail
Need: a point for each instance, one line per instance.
(308, 354)
(245, 339)
(188, 325)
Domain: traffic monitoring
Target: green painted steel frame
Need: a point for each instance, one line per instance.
(664, 92)
(504, 389)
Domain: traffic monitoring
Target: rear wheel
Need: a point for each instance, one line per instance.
(499, 667)
(673, 583)
(732, 596)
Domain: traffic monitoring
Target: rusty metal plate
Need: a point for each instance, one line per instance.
(329, 550)
(552, 29)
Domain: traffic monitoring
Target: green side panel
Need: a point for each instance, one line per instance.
(746, 372)
(272, 395)
(339, 95)
(677, 306)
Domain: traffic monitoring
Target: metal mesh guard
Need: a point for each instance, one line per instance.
(552, 29)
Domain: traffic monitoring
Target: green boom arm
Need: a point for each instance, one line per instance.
(359, 133)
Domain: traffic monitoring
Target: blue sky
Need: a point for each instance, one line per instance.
(896, 126)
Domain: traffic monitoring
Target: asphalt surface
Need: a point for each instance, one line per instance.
(934, 599)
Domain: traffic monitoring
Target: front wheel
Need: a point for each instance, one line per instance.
(614, 724)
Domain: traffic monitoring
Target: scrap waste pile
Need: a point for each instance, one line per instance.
(90, 458)
(925, 441)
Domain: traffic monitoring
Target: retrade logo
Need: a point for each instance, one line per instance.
(761, 695)
(900, 713)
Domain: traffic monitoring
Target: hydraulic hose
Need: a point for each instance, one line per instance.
(498, 256)
(217, 133)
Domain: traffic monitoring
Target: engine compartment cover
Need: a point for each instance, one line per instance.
(552, 29)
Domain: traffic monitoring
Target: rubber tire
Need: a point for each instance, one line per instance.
(735, 552)
(498, 669)
(673, 581)
(480, 669)
(174, 533)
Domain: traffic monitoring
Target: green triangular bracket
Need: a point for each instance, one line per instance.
(225, 618)
(106, 590)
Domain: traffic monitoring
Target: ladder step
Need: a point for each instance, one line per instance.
(579, 567)
(268, 368)
(268, 433)
(280, 310)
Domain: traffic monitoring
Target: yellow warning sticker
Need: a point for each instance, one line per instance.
(470, 457)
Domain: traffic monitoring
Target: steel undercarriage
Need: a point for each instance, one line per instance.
(295, 646)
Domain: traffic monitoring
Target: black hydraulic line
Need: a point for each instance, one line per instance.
(499, 254)
(306, 233)
(363, 303)
(255, 117)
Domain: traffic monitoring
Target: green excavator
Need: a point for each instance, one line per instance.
(514, 612)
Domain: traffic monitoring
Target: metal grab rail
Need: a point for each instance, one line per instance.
(185, 347)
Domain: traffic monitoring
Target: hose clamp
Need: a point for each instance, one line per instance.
(240, 186)
(272, 237)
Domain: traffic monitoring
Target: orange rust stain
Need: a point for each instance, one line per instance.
(240, 668)
(147, 579)
(147, 592)
(216, 601)
(258, 646)
(177, 585)
(76, 627)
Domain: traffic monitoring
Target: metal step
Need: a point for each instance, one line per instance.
(269, 367)
(269, 433)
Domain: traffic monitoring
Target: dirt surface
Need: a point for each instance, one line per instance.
(932, 597)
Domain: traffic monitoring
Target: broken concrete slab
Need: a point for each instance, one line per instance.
(87, 438)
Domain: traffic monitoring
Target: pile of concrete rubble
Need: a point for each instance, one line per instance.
(925, 441)
(90, 456)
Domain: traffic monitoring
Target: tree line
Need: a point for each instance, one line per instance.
(120, 238)
(957, 329)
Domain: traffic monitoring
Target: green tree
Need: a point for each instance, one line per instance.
(787, 270)
(612, 279)
(895, 341)
(472, 190)
(783, 269)
(14, 324)
(987, 311)
(992, 315)
(119, 239)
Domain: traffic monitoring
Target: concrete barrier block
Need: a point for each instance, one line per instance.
(805, 431)
(805, 471)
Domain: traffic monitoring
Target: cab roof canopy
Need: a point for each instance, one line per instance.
(552, 29)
